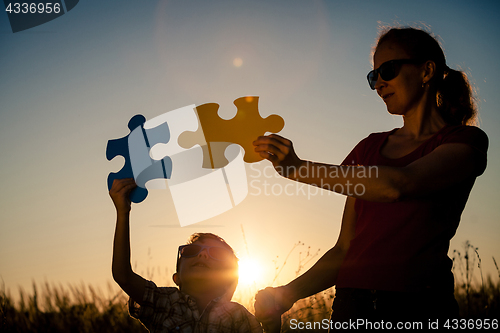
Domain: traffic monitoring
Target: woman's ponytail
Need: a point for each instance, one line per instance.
(455, 98)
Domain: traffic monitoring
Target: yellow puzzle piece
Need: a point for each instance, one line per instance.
(219, 133)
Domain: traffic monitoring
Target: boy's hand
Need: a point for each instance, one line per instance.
(120, 194)
(270, 304)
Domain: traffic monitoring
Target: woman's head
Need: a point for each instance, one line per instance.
(454, 97)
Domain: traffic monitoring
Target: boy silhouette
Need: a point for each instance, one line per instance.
(207, 275)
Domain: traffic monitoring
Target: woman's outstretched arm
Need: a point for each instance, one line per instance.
(446, 165)
(270, 303)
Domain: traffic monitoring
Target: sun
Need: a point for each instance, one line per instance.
(250, 272)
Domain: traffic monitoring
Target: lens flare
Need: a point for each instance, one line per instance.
(237, 62)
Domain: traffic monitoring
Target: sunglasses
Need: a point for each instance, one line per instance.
(214, 252)
(388, 70)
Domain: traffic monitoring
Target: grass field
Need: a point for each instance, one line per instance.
(49, 308)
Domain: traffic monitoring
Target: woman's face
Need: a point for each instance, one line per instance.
(403, 93)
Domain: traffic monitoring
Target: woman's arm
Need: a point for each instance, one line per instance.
(321, 276)
(130, 282)
(446, 165)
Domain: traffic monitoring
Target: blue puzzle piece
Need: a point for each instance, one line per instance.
(140, 141)
(135, 149)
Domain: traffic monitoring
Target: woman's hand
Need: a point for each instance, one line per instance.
(270, 304)
(120, 194)
(280, 152)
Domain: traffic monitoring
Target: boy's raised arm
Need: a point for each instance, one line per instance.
(130, 282)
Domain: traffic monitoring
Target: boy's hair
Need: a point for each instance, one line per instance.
(201, 236)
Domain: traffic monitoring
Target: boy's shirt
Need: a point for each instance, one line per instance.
(167, 309)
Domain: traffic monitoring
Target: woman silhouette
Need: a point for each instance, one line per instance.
(390, 261)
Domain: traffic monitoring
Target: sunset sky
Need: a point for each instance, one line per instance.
(72, 84)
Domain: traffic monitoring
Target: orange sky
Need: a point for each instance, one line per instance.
(70, 85)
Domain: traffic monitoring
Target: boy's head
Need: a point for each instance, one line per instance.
(207, 260)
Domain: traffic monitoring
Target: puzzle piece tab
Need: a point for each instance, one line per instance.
(135, 149)
(186, 164)
(219, 133)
